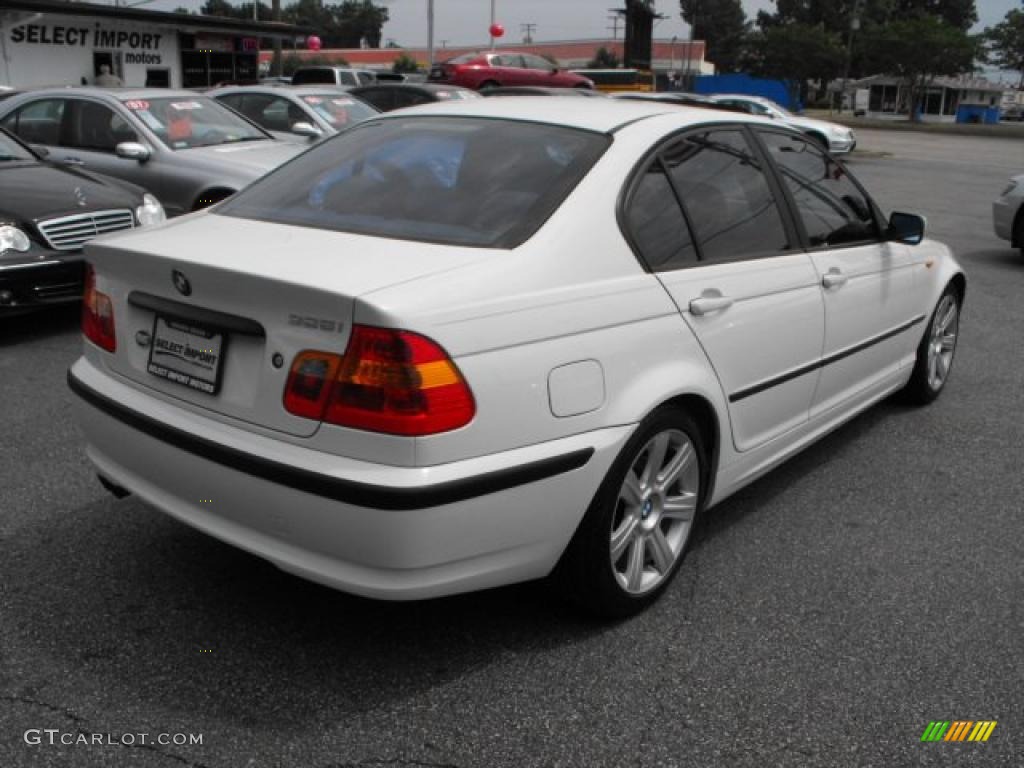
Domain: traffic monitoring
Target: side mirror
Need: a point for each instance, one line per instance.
(306, 129)
(40, 150)
(907, 228)
(132, 150)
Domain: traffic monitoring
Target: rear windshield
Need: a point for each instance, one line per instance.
(454, 180)
(321, 76)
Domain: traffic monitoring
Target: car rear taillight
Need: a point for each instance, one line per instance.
(390, 381)
(97, 314)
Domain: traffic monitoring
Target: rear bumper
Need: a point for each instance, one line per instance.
(33, 283)
(383, 532)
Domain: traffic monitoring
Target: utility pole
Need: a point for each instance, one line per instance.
(528, 31)
(614, 19)
(430, 34)
(854, 26)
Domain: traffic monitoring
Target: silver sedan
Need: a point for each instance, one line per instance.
(298, 114)
(1008, 213)
(187, 149)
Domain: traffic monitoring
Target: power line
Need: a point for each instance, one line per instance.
(528, 31)
(615, 18)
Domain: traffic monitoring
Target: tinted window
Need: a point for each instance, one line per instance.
(382, 98)
(507, 60)
(726, 195)
(657, 224)
(97, 127)
(38, 122)
(365, 78)
(831, 206)
(314, 75)
(463, 181)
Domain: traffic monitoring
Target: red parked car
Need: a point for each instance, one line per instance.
(489, 69)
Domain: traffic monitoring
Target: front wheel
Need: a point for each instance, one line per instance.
(935, 352)
(633, 538)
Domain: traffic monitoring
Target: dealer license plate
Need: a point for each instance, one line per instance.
(187, 354)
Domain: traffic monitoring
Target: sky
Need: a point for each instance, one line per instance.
(465, 22)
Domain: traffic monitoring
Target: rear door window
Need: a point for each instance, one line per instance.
(726, 195)
(461, 181)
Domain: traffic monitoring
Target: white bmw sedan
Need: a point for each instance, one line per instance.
(472, 344)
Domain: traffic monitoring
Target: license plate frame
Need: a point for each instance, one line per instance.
(193, 353)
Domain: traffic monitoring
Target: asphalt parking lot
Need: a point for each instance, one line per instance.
(824, 617)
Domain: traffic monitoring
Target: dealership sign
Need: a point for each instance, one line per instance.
(96, 37)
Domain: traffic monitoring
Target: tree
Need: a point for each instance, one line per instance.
(723, 27)
(918, 50)
(1005, 43)
(343, 25)
(798, 52)
(604, 59)
(961, 14)
(405, 63)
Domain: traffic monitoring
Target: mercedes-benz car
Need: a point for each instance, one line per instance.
(47, 213)
(185, 148)
(836, 138)
(468, 344)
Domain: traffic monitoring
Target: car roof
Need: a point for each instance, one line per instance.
(601, 115)
(284, 88)
(113, 94)
(392, 85)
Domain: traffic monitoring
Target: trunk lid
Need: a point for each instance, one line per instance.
(266, 289)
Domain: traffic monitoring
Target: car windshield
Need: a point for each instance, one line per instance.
(12, 150)
(193, 121)
(459, 181)
(338, 110)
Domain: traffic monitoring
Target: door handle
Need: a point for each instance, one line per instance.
(73, 161)
(834, 278)
(709, 302)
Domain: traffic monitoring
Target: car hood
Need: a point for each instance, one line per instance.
(32, 191)
(813, 124)
(251, 158)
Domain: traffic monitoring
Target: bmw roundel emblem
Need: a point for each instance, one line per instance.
(181, 283)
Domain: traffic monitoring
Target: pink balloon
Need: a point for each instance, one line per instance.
(496, 30)
(313, 43)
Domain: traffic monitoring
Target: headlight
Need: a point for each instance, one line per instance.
(13, 239)
(1009, 189)
(150, 212)
(839, 131)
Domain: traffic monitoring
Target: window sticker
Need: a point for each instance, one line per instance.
(137, 105)
(186, 105)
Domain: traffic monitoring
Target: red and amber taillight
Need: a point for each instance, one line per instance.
(390, 381)
(97, 314)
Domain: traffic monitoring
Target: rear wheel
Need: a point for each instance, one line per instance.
(633, 538)
(935, 352)
(819, 139)
(488, 84)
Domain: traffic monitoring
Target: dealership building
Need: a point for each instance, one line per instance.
(48, 42)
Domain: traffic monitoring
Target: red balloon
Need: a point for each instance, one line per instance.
(313, 43)
(496, 30)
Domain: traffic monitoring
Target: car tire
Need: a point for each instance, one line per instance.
(634, 536)
(488, 84)
(936, 351)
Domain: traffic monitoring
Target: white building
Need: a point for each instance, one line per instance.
(48, 42)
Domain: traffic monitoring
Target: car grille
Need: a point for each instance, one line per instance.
(69, 233)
